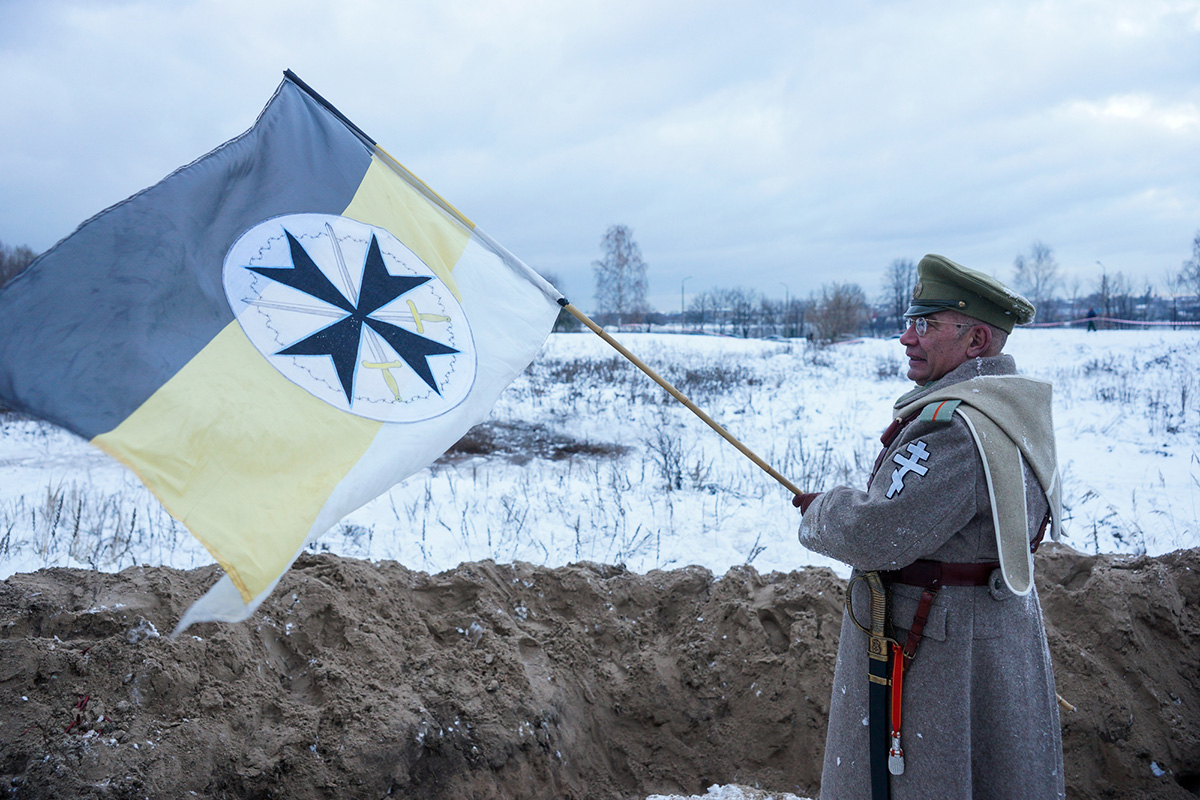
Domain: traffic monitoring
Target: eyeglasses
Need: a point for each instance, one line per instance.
(922, 324)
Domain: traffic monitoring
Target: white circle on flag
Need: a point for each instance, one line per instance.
(415, 355)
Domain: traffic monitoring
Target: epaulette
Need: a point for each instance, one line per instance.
(941, 411)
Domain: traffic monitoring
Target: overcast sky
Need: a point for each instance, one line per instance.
(776, 146)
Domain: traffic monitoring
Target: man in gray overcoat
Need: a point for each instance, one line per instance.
(958, 500)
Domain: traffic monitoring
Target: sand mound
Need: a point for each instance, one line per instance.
(514, 681)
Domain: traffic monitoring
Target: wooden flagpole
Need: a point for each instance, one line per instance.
(603, 334)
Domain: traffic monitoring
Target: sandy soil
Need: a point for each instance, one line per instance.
(514, 681)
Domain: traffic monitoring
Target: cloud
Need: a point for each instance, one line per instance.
(761, 144)
(1143, 110)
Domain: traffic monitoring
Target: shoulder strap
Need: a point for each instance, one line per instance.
(941, 411)
(887, 437)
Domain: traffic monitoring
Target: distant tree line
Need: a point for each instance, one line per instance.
(1108, 293)
(844, 310)
(1037, 275)
(13, 260)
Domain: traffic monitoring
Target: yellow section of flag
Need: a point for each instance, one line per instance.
(241, 456)
(388, 201)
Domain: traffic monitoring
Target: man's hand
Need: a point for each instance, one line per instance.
(804, 500)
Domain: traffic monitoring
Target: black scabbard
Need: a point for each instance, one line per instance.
(878, 676)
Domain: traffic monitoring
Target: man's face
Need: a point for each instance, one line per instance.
(940, 350)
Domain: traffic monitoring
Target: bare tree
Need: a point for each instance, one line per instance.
(793, 319)
(723, 301)
(1103, 292)
(898, 282)
(840, 309)
(1037, 276)
(771, 316)
(1189, 275)
(13, 260)
(1074, 288)
(702, 308)
(620, 275)
(1120, 296)
(741, 303)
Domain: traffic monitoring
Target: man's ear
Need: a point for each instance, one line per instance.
(979, 341)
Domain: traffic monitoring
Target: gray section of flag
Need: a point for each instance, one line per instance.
(99, 322)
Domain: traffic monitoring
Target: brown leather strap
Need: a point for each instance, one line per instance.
(893, 430)
(918, 624)
(931, 576)
(1041, 534)
(934, 574)
(889, 435)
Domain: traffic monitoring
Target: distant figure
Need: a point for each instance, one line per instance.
(1091, 318)
(941, 545)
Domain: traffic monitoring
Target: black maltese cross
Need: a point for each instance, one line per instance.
(341, 340)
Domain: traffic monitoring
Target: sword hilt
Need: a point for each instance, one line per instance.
(878, 603)
(876, 634)
(877, 641)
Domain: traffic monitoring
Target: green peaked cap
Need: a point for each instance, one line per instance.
(943, 284)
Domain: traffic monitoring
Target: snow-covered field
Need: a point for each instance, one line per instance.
(592, 461)
(585, 459)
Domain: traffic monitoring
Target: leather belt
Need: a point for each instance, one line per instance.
(932, 574)
(929, 574)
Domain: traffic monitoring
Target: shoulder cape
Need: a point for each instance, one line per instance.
(1009, 417)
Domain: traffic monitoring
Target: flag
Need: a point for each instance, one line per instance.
(272, 336)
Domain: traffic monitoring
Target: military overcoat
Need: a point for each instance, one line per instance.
(980, 717)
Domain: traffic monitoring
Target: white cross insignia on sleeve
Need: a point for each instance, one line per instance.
(918, 454)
